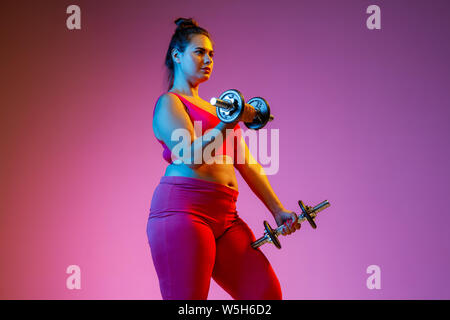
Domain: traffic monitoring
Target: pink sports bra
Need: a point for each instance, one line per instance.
(208, 121)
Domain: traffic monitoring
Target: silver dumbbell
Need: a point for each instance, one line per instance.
(230, 105)
(271, 235)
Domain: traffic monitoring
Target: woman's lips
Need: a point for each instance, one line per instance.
(206, 70)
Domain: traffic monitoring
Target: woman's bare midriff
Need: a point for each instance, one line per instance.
(215, 172)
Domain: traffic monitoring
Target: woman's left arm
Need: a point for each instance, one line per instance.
(254, 174)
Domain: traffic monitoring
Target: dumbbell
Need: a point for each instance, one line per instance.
(230, 105)
(271, 235)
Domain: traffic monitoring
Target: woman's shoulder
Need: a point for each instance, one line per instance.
(168, 100)
(167, 97)
(167, 108)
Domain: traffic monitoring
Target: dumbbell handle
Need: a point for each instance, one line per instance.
(229, 105)
(222, 103)
(271, 117)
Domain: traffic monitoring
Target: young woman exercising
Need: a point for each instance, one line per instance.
(194, 231)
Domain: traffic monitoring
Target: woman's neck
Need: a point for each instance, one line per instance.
(185, 89)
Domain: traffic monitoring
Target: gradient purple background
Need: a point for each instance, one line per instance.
(363, 118)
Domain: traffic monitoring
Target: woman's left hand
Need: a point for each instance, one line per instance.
(289, 219)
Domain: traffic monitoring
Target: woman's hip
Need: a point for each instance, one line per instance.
(194, 196)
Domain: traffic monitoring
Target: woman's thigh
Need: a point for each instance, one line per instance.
(183, 253)
(245, 273)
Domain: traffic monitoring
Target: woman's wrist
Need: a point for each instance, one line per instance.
(277, 210)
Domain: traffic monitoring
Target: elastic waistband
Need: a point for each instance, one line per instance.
(199, 183)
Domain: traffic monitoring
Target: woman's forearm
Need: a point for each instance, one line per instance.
(258, 182)
(198, 145)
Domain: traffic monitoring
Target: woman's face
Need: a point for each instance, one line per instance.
(196, 62)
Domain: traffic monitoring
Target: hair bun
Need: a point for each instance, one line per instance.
(183, 23)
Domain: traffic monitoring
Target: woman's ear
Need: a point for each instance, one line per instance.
(175, 55)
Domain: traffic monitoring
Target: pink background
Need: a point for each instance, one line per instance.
(363, 118)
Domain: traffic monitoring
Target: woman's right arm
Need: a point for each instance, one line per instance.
(171, 115)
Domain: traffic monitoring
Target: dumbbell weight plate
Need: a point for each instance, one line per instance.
(272, 235)
(307, 216)
(227, 115)
(261, 105)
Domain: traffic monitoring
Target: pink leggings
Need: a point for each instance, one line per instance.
(195, 233)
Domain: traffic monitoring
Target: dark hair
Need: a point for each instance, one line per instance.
(186, 28)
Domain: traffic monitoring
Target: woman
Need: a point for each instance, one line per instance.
(194, 230)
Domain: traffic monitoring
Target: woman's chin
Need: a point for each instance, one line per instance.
(204, 78)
